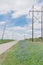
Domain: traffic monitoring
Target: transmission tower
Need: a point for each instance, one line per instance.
(38, 11)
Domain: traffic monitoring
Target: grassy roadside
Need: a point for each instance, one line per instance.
(23, 53)
(5, 41)
(35, 39)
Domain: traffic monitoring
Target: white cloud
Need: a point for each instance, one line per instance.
(23, 7)
(17, 28)
(16, 34)
(20, 6)
(2, 22)
(26, 31)
(19, 13)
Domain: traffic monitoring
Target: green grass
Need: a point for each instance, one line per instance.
(35, 39)
(23, 53)
(5, 41)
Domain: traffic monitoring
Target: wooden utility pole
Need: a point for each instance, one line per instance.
(33, 24)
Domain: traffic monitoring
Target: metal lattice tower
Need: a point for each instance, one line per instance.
(38, 11)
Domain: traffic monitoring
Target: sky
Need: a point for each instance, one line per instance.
(15, 15)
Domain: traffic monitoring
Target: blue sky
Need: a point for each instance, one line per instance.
(20, 21)
(40, 1)
(15, 14)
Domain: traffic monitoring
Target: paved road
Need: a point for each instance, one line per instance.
(4, 47)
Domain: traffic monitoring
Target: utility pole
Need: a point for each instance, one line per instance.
(3, 31)
(41, 23)
(33, 24)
